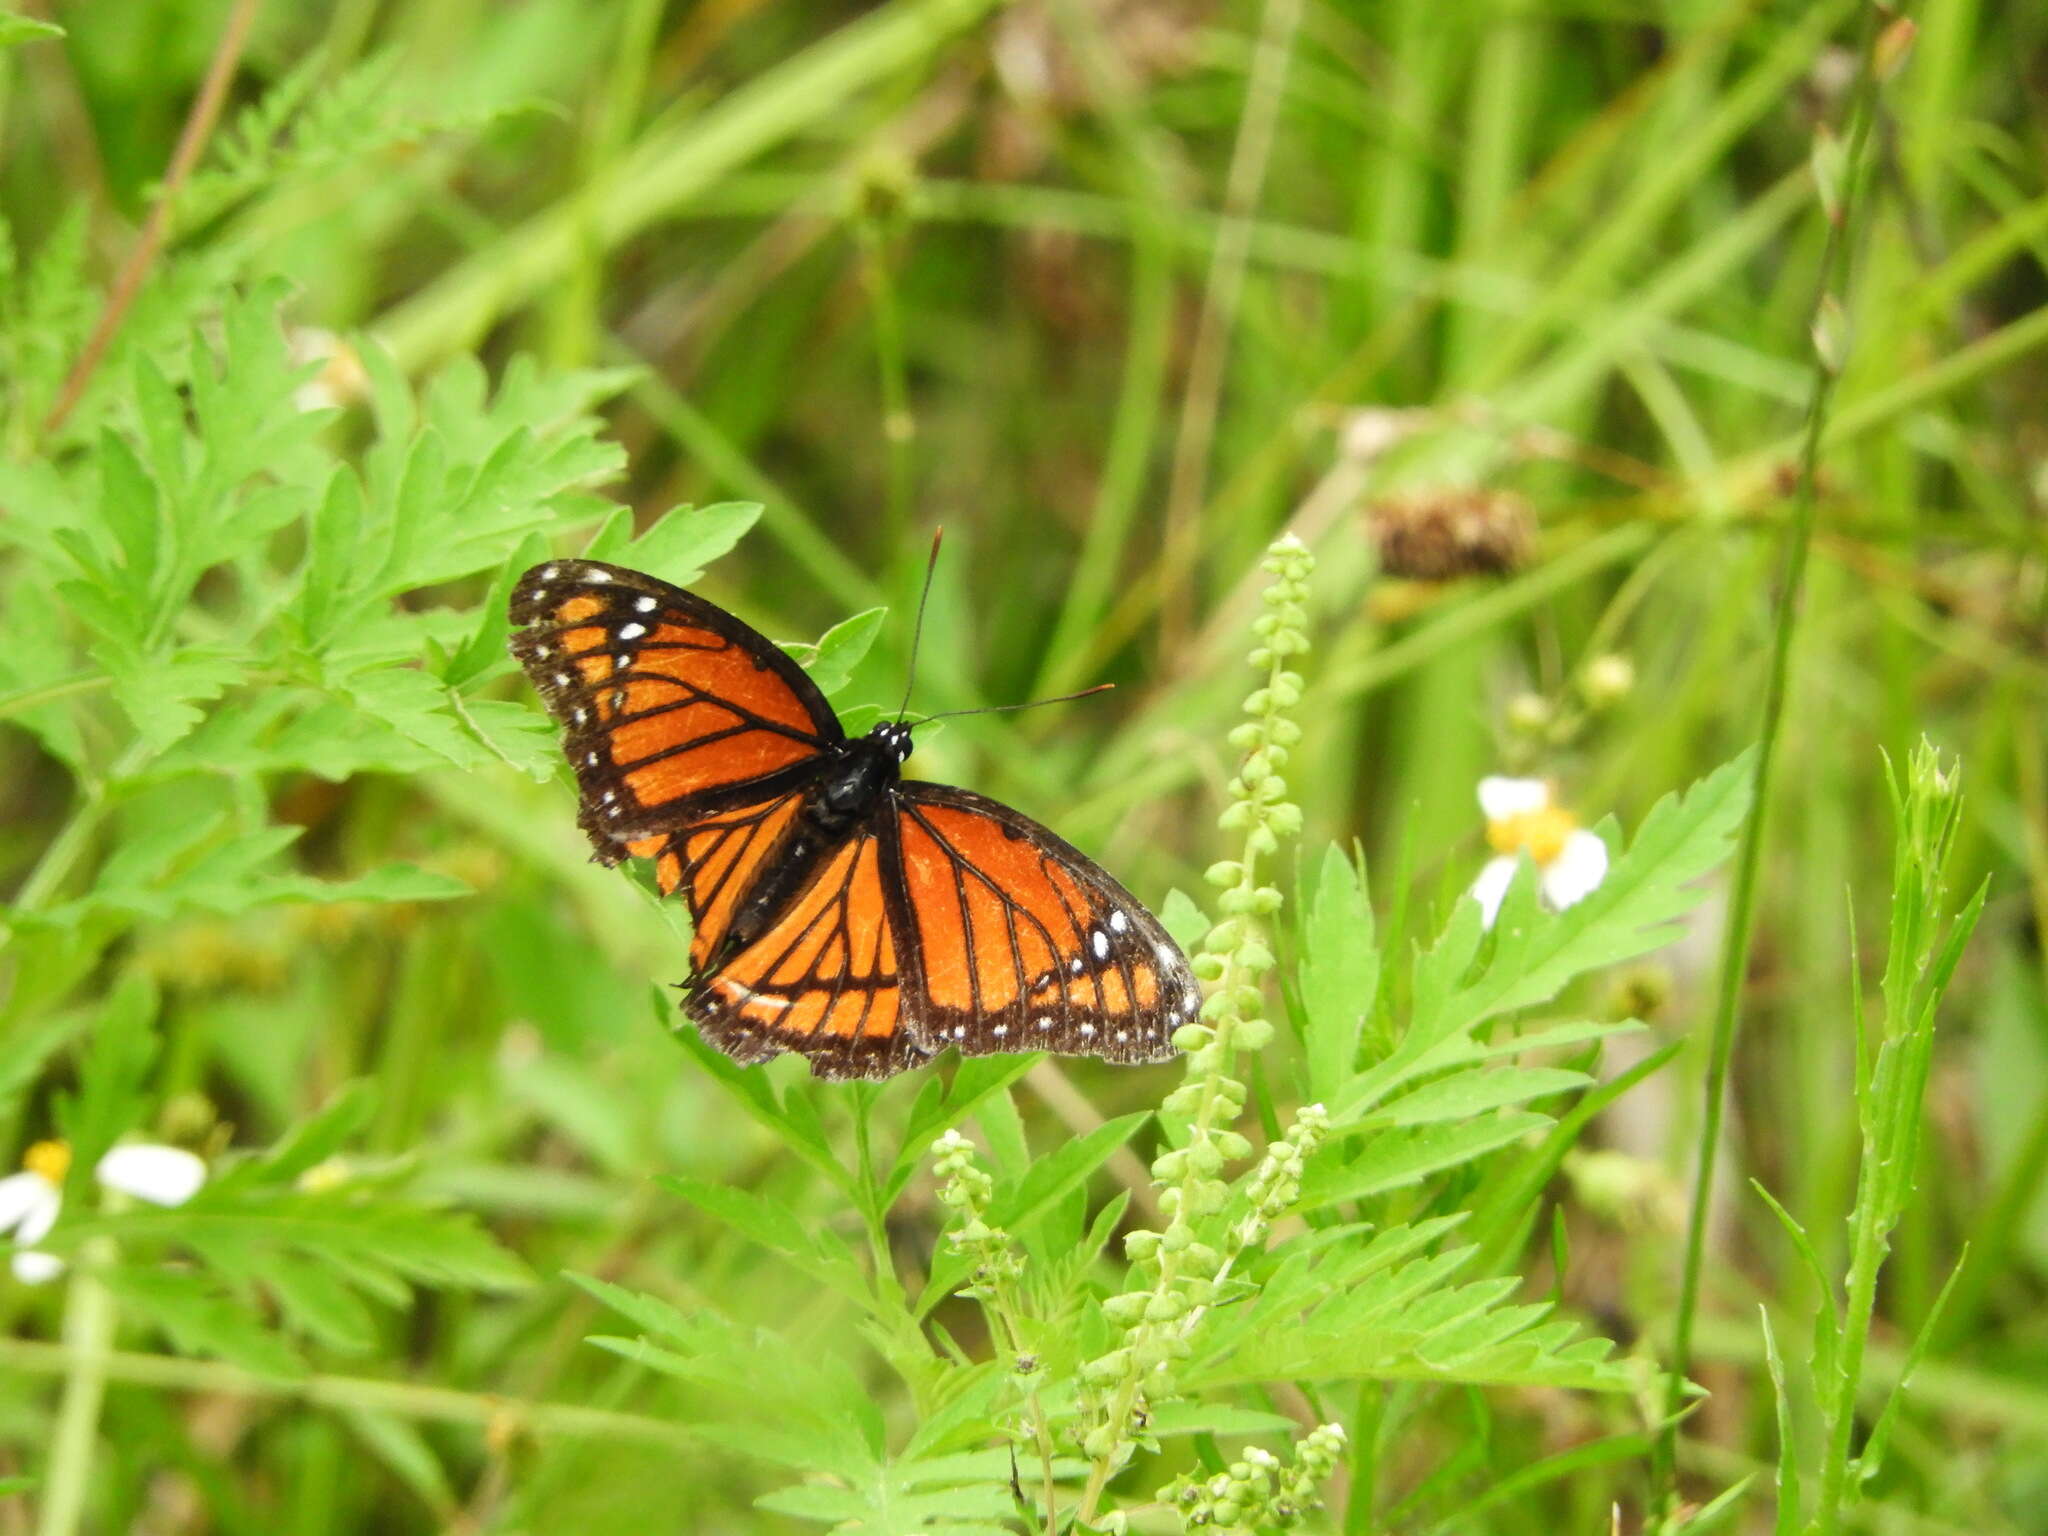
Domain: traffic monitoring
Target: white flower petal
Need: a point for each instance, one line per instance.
(33, 1268)
(1501, 797)
(1491, 888)
(21, 1196)
(160, 1175)
(35, 1226)
(1577, 870)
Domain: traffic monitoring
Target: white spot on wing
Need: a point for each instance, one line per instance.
(632, 631)
(1000, 1030)
(561, 679)
(551, 573)
(600, 575)
(1118, 922)
(1099, 942)
(645, 605)
(1074, 965)
(1088, 1031)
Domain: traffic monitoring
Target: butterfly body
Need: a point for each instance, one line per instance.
(841, 911)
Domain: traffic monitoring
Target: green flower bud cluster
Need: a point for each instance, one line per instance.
(1258, 1492)
(965, 1189)
(1177, 1270)
(1276, 1182)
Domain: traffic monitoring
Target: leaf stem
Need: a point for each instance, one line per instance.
(1743, 902)
(24, 699)
(89, 1321)
(406, 1398)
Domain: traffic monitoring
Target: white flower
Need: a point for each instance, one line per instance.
(30, 1200)
(342, 377)
(1523, 818)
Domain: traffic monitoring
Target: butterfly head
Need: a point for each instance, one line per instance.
(893, 737)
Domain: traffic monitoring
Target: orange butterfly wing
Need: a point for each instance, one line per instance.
(671, 707)
(826, 979)
(1019, 942)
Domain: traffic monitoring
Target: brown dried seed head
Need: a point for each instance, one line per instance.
(1442, 534)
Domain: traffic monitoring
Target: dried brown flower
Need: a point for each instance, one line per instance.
(1442, 534)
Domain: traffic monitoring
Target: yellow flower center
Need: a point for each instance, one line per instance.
(50, 1160)
(1541, 834)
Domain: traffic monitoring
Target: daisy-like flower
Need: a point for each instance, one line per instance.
(31, 1199)
(342, 377)
(1523, 817)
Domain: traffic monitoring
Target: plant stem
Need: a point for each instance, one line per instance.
(23, 699)
(405, 1398)
(198, 129)
(89, 1319)
(1743, 901)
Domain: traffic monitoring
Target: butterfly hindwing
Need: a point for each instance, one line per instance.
(1022, 943)
(826, 979)
(671, 707)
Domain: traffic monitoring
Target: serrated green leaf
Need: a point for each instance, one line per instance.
(1399, 1157)
(1477, 1092)
(200, 1320)
(520, 735)
(1339, 975)
(680, 543)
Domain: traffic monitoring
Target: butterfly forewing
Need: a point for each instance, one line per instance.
(671, 706)
(1025, 944)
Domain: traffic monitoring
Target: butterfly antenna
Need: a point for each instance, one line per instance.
(931, 565)
(1004, 709)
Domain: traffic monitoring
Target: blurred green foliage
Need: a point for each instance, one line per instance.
(1118, 290)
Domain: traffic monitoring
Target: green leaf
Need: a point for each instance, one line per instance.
(678, 545)
(109, 1101)
(1394, 1158)
(316, 1300)
(520, 735)
(750, 1089)
(1339, 976)
(405, 1453)
(816, 1251)
(16, 29)
(841, 648)
(1466, 1094)
(201, 1320)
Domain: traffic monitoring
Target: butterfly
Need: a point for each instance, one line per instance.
(863, 920)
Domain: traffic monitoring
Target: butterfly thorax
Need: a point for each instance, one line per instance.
(866, 769)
